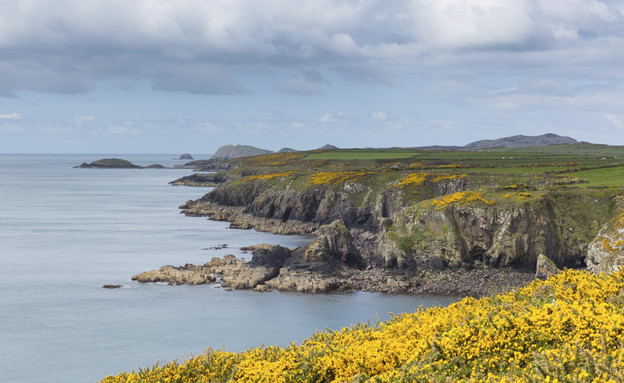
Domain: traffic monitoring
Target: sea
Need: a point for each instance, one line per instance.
(65, 232)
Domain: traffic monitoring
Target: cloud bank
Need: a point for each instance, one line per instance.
(206, 47)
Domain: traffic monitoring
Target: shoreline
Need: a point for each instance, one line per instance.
(233, 273)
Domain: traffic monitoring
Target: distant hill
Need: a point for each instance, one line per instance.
(286, 150)
(328, 146)
(521, 141)
(230, 151)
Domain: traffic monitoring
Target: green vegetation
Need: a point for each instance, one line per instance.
(113, 162)
(418, 173)
(607, 176)
(361, 154)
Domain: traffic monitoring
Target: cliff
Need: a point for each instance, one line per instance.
(426, 216)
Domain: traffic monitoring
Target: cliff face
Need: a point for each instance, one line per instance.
(460, 235)
(606, 251)
(285, 210)
(458, 230)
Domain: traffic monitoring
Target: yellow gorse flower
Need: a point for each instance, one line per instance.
(321, 178)
(569, 328)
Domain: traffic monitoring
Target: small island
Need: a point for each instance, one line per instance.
(115, 163)
(186, 156)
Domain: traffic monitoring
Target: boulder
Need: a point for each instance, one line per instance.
(545, 267)
(269, 255)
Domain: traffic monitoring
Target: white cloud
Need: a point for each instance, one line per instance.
(615, 121)
(10, 116)
(379, 116)
(82, 119)
(330, 118)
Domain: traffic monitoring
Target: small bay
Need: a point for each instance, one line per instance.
(65, 232)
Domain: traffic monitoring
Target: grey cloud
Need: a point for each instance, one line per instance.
(300, 86)
(198, 83)
(312, 75)
(66, 47)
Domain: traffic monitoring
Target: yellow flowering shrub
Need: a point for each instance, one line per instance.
(455, 166)
(465, 197)
(416, 179)
(321, 178)
(270, 176)
(569, 328)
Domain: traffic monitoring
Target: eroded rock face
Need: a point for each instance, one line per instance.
(606, 252)
(334, 244)
(461, 235)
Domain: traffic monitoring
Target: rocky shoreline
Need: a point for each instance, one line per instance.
(233, 273)
(330, 264)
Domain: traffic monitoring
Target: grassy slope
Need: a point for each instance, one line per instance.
(485, 170)
(569, 328)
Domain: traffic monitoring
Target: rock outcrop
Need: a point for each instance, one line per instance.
(185, 156)
(606, 252)
(545, 267)
(187, 274)
(202, 179)
(320, 267)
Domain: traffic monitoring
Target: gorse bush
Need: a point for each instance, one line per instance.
(569, 328)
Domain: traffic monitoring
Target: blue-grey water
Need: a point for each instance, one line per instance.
(65, 232)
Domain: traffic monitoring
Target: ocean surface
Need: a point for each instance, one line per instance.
(65, 232)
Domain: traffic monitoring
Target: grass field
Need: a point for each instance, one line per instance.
(610, 176)
(585, 165)
(362, 154)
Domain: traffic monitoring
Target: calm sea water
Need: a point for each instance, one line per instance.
(65, 232)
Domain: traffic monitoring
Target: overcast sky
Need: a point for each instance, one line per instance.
(173, 76)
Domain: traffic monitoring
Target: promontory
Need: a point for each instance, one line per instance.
(422, 221)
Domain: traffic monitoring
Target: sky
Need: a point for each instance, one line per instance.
(177, 76)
